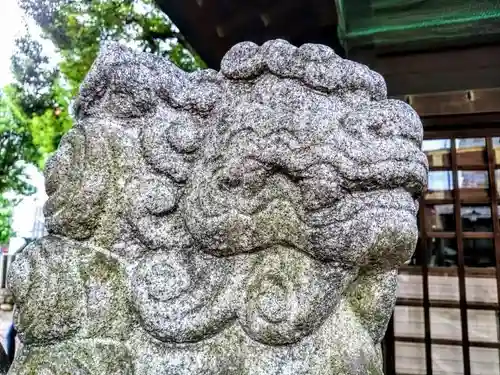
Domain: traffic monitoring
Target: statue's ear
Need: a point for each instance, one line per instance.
(123, 83)
(95, 84)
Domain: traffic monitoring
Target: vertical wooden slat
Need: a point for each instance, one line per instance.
(461, 262)
(424, 257)
(491, 158)
(389, 349)
(3, 269)
(494, 207)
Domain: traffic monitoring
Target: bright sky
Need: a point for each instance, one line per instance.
(11, 26)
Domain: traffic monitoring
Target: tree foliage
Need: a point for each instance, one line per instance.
(35, 109)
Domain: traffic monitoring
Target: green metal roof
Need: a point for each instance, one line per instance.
(396, 22)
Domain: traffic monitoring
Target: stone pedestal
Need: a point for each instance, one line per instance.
(248, 221)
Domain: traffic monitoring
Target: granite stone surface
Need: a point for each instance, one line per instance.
(245, 222)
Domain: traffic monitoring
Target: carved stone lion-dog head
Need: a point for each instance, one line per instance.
(247, 221)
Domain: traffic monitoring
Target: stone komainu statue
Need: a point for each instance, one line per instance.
(242, 222)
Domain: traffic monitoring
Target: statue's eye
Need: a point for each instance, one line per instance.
(131, 104)
(230, 182)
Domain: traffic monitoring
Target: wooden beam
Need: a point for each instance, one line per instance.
(486, 272)
(432, 71)
(447, 304)
(448, 342)
(212, 27)
(463, 102)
